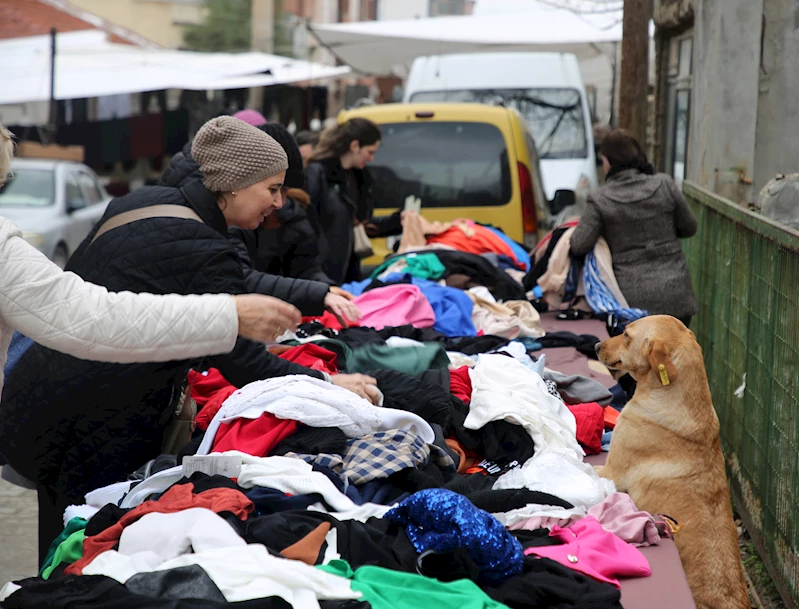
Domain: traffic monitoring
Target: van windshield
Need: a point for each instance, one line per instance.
(555, 116)
(445, 164)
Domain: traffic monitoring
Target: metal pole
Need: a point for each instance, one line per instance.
(53, 114)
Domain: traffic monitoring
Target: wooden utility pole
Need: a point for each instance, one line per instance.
(633, 106)
(262, 29)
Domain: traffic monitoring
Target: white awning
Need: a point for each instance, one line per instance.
(87, 65)
(385, 47)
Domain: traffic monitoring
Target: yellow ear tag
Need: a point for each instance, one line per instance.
(664, 376)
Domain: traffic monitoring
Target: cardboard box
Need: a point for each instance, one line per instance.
(34, 150)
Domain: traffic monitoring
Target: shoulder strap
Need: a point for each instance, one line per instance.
(155, 211)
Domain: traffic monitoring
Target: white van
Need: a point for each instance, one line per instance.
(546, 88)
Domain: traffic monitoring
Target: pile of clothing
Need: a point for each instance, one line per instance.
(464, 487)
(563, 278)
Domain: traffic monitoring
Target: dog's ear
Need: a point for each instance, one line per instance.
(660, 361)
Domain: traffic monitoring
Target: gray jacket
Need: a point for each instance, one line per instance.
(643, 218)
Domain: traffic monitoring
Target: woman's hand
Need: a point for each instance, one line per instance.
(343, 293)
(344, 310)
(263, 318)
(360, 384)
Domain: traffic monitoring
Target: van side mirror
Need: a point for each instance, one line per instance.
(562, 200)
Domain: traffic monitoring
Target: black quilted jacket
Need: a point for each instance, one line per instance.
(76, 425)
(307, 296)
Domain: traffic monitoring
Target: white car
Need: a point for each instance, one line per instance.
(54, 203)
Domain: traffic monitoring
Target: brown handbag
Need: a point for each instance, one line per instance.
(361, 244)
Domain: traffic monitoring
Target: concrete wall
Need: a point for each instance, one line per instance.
(402, 9)
(777, 140)
(161, 21)
(725, 95)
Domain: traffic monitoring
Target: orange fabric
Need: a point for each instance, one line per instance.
(479, 240)
(468, 458)
(178, 498)
(307, 549)
(611, 417)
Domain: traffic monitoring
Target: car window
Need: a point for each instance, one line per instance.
(554, 116)
(445, 164)
(74, 197)
(28, 188)
(91, 191)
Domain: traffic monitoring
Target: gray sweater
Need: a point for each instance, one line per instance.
(643, 218)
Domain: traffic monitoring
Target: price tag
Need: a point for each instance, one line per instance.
(212, 465)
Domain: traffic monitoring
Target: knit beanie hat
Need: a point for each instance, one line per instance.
(234, 155)
(295, 175)
(251, 117)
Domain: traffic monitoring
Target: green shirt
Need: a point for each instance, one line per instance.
(76, 524)
(70, 550)
(388, 589)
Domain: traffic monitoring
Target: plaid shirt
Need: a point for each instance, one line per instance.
(379, 455)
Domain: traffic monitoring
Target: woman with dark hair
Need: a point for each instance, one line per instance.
(642, 216)
(306, 141)
(341, 194)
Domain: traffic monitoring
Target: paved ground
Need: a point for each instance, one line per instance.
(18, 543)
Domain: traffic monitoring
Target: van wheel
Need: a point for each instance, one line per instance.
(61, 256)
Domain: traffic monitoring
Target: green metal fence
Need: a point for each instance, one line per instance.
(745, 271)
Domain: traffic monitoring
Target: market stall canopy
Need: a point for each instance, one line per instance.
(386, 47)
(87, 65)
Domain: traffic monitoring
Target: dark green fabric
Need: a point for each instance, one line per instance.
(409, 360)
(389, 589)
(69, 551)
(424, 266)
(76, 524)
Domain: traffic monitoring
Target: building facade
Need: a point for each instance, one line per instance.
(161, 21)
(725, 111)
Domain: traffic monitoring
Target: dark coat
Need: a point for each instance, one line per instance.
(291, 249)
(76, 425)
(643, 218)
(307, 293)
(336, 213)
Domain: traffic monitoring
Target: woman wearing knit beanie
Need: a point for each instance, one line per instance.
(297, 278)
(74, 425)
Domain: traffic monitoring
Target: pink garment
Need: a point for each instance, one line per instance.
(251, 117)
(619, 516)
(592, 551)
(543, 522)
(395, 305)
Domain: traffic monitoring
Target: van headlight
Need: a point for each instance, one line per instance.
(35, 239)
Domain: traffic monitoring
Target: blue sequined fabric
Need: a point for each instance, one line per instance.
(441, 521)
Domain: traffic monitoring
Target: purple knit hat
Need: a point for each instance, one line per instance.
(252, 117)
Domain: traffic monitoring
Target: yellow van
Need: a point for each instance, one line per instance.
(463, 161)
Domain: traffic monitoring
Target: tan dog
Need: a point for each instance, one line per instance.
(666, 454)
